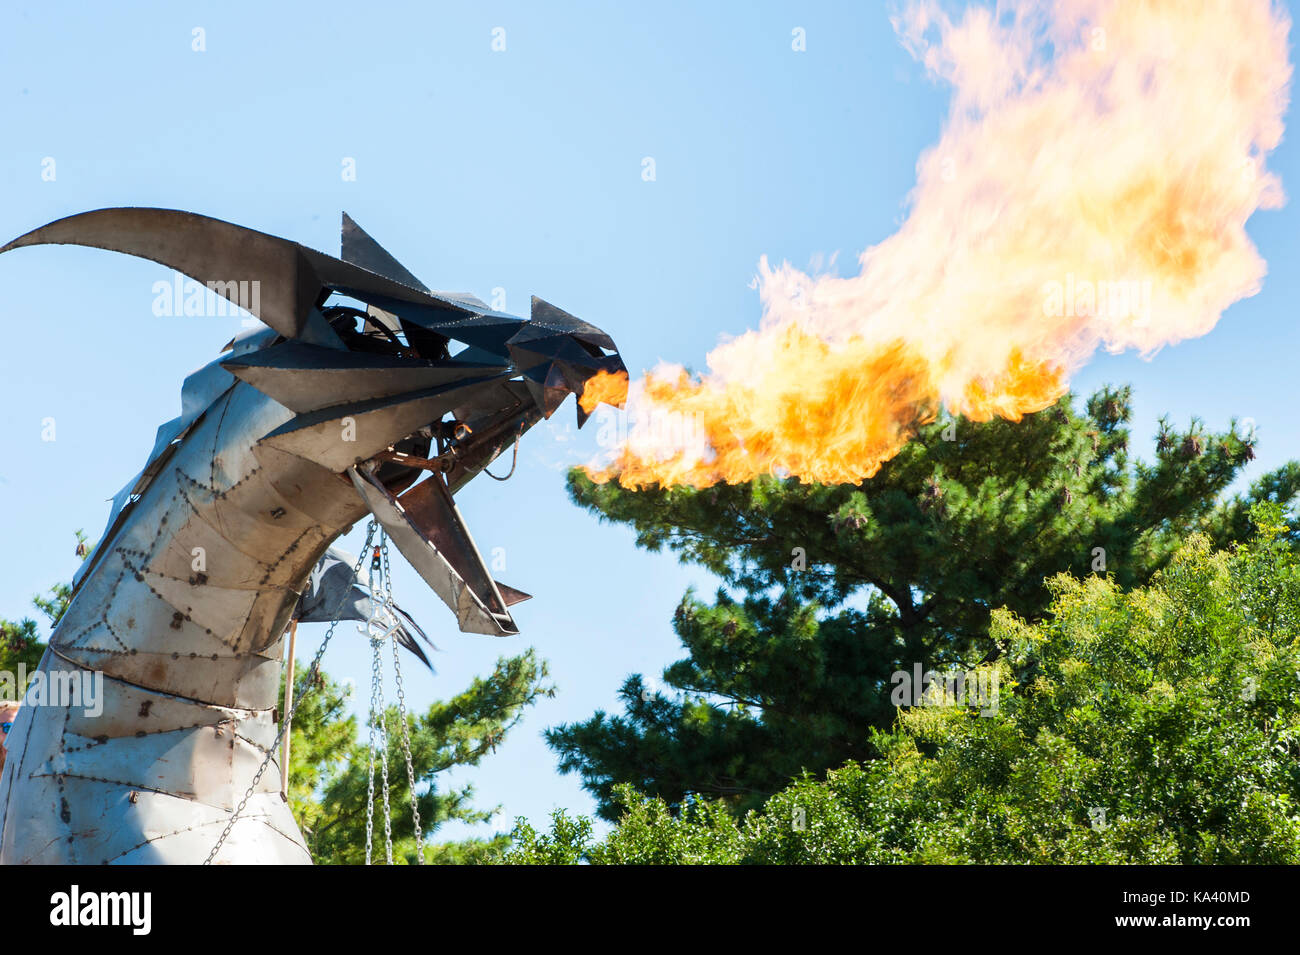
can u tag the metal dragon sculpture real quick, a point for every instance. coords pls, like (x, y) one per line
(331, 413)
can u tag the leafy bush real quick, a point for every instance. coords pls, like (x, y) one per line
(1155, 725)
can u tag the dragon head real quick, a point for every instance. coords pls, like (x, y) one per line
(381, 379)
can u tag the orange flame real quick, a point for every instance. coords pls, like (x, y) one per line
(802, 415)
(1090, 189)
(1021, 388)
(604, 387)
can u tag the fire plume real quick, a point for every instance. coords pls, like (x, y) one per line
(606, 387)
(1090, 190)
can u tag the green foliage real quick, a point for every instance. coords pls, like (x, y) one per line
(20, 641)
(647, 834)
(1155, 725)
(20, 652)
(831, 589)
(567, 843)
(330, 765)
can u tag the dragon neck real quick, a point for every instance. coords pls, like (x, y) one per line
(192, 592)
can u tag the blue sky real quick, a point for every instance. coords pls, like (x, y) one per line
(520, 170)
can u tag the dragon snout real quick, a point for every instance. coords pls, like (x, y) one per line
(559, 355)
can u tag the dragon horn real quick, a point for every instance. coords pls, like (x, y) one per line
(292, 279)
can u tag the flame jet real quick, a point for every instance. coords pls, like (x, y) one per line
(1090, 191)
(366, 394)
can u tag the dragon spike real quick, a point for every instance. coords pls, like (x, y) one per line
(339, 436)
(359, 248)
(291, 278)
(306, 377)
(557, 319)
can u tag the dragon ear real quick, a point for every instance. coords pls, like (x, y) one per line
(291, 279)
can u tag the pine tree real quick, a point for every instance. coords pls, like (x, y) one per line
(831, 590)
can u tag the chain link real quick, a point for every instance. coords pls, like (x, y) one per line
(370, 749)
(401, 711)
(378, 740)
(286, 722)
(378, 722)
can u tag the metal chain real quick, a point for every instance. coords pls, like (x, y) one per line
(370, 729)
(378, 728)
(287, 721)
(401, 711)
(378, 715)
(388, 811)
(370, 753)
